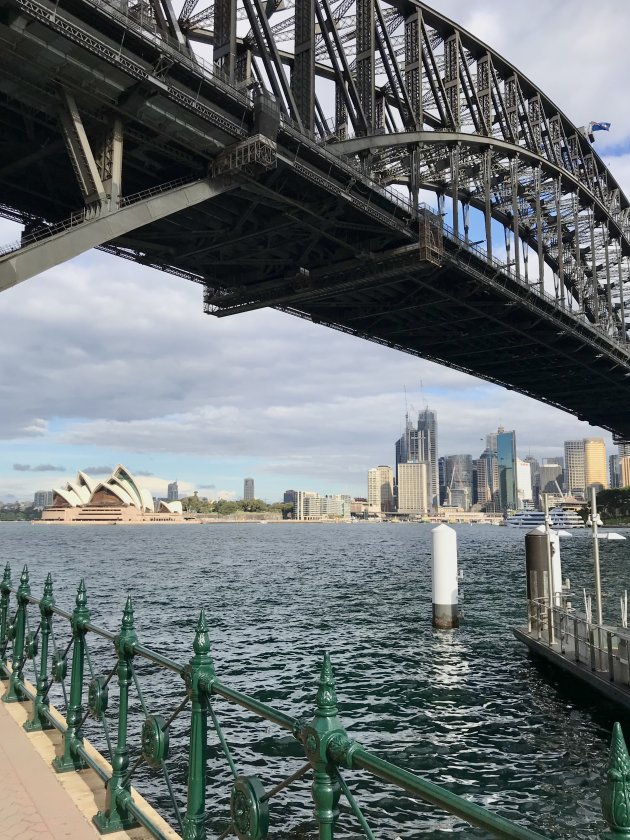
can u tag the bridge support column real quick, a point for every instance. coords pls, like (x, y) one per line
(455, 187)
(80, 153)
(539, 232)
(487, 188)
(110, 163)
(515, 214)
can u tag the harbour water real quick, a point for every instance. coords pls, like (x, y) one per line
(466, 709)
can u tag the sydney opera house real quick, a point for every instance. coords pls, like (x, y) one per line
(117, 500)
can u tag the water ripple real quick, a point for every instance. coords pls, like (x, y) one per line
(465, 709)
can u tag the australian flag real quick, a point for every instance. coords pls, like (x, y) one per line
(600, 126)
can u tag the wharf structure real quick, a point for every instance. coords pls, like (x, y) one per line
(575, 643)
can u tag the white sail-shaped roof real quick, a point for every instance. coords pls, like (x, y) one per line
(170, 507)
(68, 495)
(126, 480)
(87, 480)
(80, 490)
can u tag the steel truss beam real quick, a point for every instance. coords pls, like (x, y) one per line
(90, 230)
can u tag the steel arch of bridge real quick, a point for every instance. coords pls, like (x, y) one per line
(130, 139)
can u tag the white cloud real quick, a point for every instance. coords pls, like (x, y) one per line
(107, 355)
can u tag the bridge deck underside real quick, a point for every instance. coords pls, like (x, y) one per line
(439, 314)
(458, 315)
(311, 237)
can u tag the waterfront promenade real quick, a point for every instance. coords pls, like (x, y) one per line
(39, 804)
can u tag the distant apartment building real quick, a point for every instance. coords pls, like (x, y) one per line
(413, 497)
(43, 499)
(574, 477)
(380, 490)
(585, 466)
(624, 470)
(172, 492)
(595, 465)
(248, 489)
(310, 506)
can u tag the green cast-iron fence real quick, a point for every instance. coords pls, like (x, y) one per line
(328, 752)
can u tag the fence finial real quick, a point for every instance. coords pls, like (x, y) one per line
(326, 695)
(201, 645)
(616, 791)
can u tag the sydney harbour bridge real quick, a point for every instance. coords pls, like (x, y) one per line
(279, 152)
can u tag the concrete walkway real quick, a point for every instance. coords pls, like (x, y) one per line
(33, 804)
(38, 804)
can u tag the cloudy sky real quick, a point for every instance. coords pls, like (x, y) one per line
(107, 362)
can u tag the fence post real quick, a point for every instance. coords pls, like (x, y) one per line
(318, 736)
(616, 791)
(71, 760)
(116, 816)
(40, 704)
(14, 693)
(201, 675)
(5, 595)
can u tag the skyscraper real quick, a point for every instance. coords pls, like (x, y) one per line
(488, 495)
(428, 451)
(506, 457)
(614, 471)
(380, 490)
(535, 478)
(551, 478)
(595, 467)
(248, 489)
(524, 492)
(459, 489)
(419, 445)
(172, 492)
(574, 478)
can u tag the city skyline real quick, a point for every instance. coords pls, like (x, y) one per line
(113, 362)
(170, 489)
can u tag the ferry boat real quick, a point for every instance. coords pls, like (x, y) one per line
(560, 518)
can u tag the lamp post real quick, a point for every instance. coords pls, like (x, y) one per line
(549, 569)
(594, 521)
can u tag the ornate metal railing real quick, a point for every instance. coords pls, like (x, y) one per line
(327, 748)
(602, 648)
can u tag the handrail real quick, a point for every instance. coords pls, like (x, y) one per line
(324, 740)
